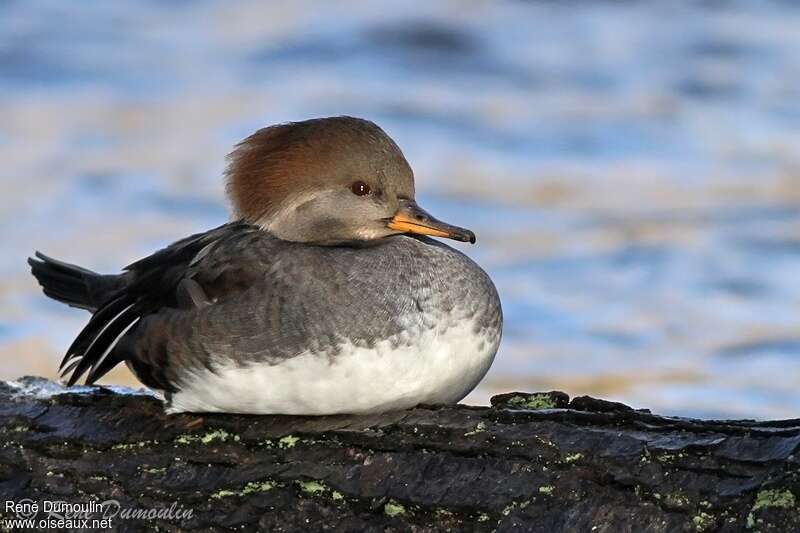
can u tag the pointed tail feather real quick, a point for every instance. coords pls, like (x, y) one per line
(71, 284)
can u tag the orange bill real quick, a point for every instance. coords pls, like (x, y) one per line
(411, 218)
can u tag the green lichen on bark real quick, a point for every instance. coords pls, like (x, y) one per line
(533, 401)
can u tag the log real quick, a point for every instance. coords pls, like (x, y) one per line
(530, 462)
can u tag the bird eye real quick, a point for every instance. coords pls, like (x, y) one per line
(360, 188)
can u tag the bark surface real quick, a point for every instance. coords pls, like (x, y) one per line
(531, 462)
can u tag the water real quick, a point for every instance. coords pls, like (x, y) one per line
(630, 168)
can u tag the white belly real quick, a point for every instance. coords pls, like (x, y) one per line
(436, 367)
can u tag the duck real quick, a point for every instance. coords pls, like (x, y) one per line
(327, 292)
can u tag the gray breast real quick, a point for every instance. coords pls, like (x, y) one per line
(317, 299)
(313, 298)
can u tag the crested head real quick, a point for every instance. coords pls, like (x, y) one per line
(322, 181)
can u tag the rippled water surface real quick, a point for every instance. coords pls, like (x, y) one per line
(632, 169)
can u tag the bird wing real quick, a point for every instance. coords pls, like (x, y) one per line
(186, 274)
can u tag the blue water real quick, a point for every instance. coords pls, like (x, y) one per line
(631, 169)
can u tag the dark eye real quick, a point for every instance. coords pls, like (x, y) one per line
(360, 188)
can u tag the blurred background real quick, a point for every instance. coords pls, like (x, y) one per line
(631, 169)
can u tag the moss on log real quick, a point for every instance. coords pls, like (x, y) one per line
(531, 462)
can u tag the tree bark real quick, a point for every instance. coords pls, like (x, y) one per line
(531, 462)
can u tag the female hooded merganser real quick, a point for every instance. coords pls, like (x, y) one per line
(324, 296)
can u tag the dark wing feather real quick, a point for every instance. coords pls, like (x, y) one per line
(95, 326)
(156, 282)
(104, 342)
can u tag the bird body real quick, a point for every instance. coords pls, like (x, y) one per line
(249, 318)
